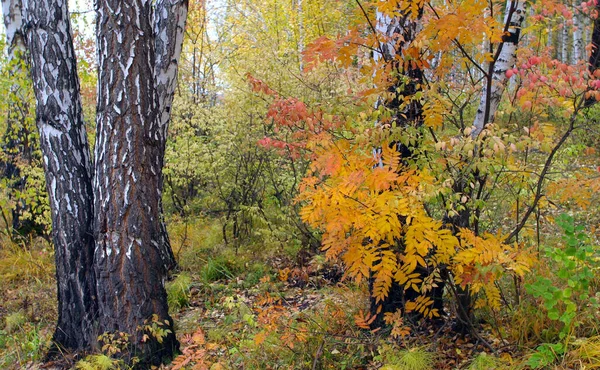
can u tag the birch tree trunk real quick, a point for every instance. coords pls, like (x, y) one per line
(112, 250)
(564, 45)
(13, 24)
(578, 44)
(300, 10)
(67, 167)
(505, 59)
(169, 26)
(395, 35)
(16, 143)
(130, 236)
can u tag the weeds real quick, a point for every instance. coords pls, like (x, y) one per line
(178, 291)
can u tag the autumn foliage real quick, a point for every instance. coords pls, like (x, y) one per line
(393, 219)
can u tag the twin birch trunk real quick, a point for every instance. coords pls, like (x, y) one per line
(112, 250)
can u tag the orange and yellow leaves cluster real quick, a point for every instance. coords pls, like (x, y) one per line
(325, 49)
(582, 189)
(422, 304)
(464, 22)
(372, 217)
(392, 8)
(396, 321)
(482, 260)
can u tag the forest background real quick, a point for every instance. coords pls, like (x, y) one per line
(334, 199)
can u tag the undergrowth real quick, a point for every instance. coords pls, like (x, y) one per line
(247, 311)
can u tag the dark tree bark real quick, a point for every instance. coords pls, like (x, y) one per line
(67, 167)
(130, 262)
(395, 35)
(594, 61)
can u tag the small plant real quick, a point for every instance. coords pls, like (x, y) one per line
(178, 291)
(154, 328)
(416, 358)
(568, 293)
(14, 321)
(100, 362)
(483, 361)
(114, 343)
(217, 269)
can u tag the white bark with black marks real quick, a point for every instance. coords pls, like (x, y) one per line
(12, 11)
(67, 167)
(564, 44)
(169, 26)
(515, 14)
(578, 45)
(109, 238)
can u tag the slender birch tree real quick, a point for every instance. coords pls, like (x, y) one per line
(504, 59)
(12, 11)
(17, 143)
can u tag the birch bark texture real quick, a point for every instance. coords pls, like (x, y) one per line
(112, 248)
(505, 59)
(578, 34)
(12, 12)
(169, 27)
(16, 143)
(67, 166)
(129, 151)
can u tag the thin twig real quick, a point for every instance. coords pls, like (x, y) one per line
(540, 183)
(318, 355)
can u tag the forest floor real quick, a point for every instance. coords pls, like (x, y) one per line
(252, 309)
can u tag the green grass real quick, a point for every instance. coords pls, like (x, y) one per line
(216, 269)
(178, 291)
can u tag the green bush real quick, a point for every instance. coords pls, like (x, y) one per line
(567, 294)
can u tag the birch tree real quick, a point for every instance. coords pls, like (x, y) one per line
(67, 167)
(17, 143)
(504, 59)
(127, 184)
(395, 33)
(578, 34)
(112, 250)
(13, 24)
